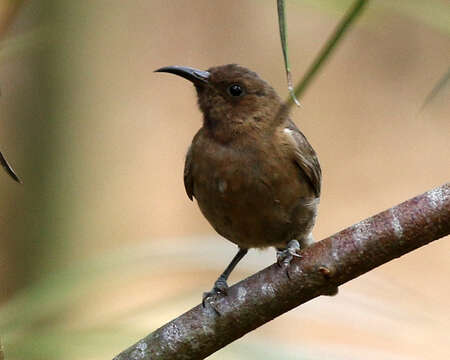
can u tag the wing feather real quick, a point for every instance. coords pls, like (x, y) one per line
(305, 156)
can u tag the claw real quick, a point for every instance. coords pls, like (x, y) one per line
(284, 257)
(213, 293)
(220, 288)
(208, 300)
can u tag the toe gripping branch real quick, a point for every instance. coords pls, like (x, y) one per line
(285, 256)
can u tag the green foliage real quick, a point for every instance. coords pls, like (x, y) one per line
(329, 46)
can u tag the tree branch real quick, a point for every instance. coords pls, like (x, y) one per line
(323, 266)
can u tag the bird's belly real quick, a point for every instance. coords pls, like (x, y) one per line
(250, 202)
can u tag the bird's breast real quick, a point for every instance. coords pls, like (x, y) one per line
(248, 194)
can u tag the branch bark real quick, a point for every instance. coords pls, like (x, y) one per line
(323, 266)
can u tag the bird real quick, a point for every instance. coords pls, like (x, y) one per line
(255, 176)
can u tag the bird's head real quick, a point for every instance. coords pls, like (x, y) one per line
(234, 100)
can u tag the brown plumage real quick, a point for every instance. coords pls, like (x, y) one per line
(253, 173)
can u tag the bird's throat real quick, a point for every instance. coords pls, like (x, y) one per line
(221, 130)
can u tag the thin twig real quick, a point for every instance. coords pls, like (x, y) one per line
(284, 46)
(323, 266)
(327, 49)
(6, 18)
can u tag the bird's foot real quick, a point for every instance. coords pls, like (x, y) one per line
(220, 288)
(285, 256)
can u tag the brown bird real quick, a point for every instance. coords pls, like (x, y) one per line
(253, 173)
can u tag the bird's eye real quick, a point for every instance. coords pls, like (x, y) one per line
(235, 90)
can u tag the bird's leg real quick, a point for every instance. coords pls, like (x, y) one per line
(285, 256)
(221, 286)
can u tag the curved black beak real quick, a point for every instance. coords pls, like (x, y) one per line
(198, 77)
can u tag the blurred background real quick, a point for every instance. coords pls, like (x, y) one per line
(101, 245)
